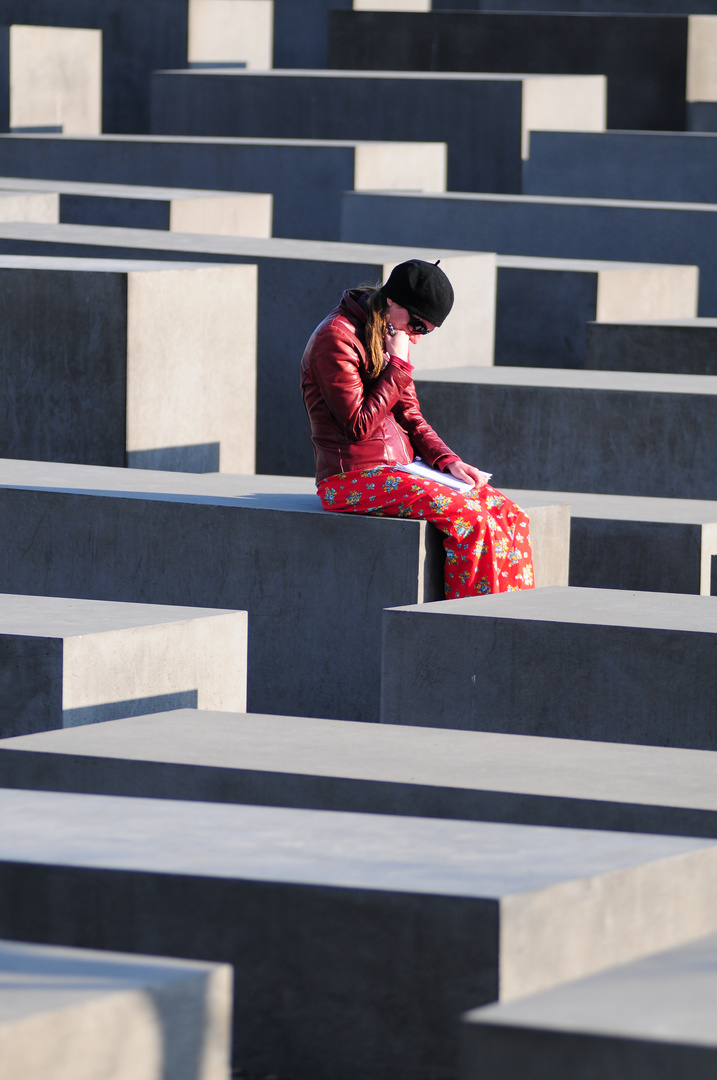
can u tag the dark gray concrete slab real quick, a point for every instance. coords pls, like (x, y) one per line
(646, 7)
(653, 1019)
(544, 226)
(112, 1015)
(66, 662)
(380, 927)
(543, 305)
(209, 540)
(301, 32)
(633, 542)
(89, 348)
(621, 433)
(374, 768)
(676, 167)
(687, 346)
(600, 664)
(482, 118)
(309, 276)
(644, 58)
(286, 168)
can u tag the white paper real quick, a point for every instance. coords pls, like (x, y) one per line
(419, 468)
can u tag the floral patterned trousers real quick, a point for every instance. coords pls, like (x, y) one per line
(486, 536)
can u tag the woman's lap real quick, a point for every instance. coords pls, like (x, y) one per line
(486, 536)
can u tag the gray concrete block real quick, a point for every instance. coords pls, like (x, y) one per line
(685, 346)
(620, 433)
(116, 362)
(305, 176)
(240, 542)
(55, 79)
(632, 542)
(483, 119)
(647, 7)
(544, 226)
(644, 58)
(381, 928)
(652, 1019)
(66, 662)
(87, 1014)
(340, 765)
(543, 305)
(221, 33)
(17, 205)
(310, 277)
(570, 663)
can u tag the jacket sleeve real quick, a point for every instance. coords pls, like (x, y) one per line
(357, 408)
(424, 439)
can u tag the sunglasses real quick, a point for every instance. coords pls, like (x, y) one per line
(417, 326)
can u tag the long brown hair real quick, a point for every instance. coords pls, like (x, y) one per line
(376, 326)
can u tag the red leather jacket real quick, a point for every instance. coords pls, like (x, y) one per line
(358, 422)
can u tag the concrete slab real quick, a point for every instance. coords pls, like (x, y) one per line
(87, 1013)
(286, 168)
(310, 276)
(247, 542)
(483, 119)
(340, 765)
(620, 433)
(115, 362)
(65, 662)
(647, 7)
(648, 1020)
(632, 542)
(224, 31)
(644, 58)
(570, 663)
(54, 77)
(544, 226)
(321, 913)
(685, 346)
(18, 205)
(543, 305)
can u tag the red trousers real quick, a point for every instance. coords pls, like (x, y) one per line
(486, 536)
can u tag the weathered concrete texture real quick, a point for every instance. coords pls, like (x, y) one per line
(320, 913)
(570, 663)
(114, 362)
(620, 433)
(55, 77)
(629, 542)
(85, 1014)
(310, 277)
(222, 31)
(652, 1019)
(286, 168)
(644, 59)
(484, 120)
(666, 166)
(374, 768)
(67, 662)
(542, 305)
(261, 544)
(685, 346)
(545, 226)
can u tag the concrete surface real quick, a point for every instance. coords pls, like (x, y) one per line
(55, 77)
(644, 59)
(247, 542)
(543, 305)
(637, 543)
(620, 433)
(222, 31)
(286, 168)
(600, 664)
(484, 120)
(380, 928)
(315, 764)
(652, 1019)
(545, 226)
(66, 662)
(647, 7)
(682, 346)
(310, 277)
(18, 205)
(84, 1014)
(114, 362)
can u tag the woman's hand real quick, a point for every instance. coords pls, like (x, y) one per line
(397, 344)
(468, 474)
